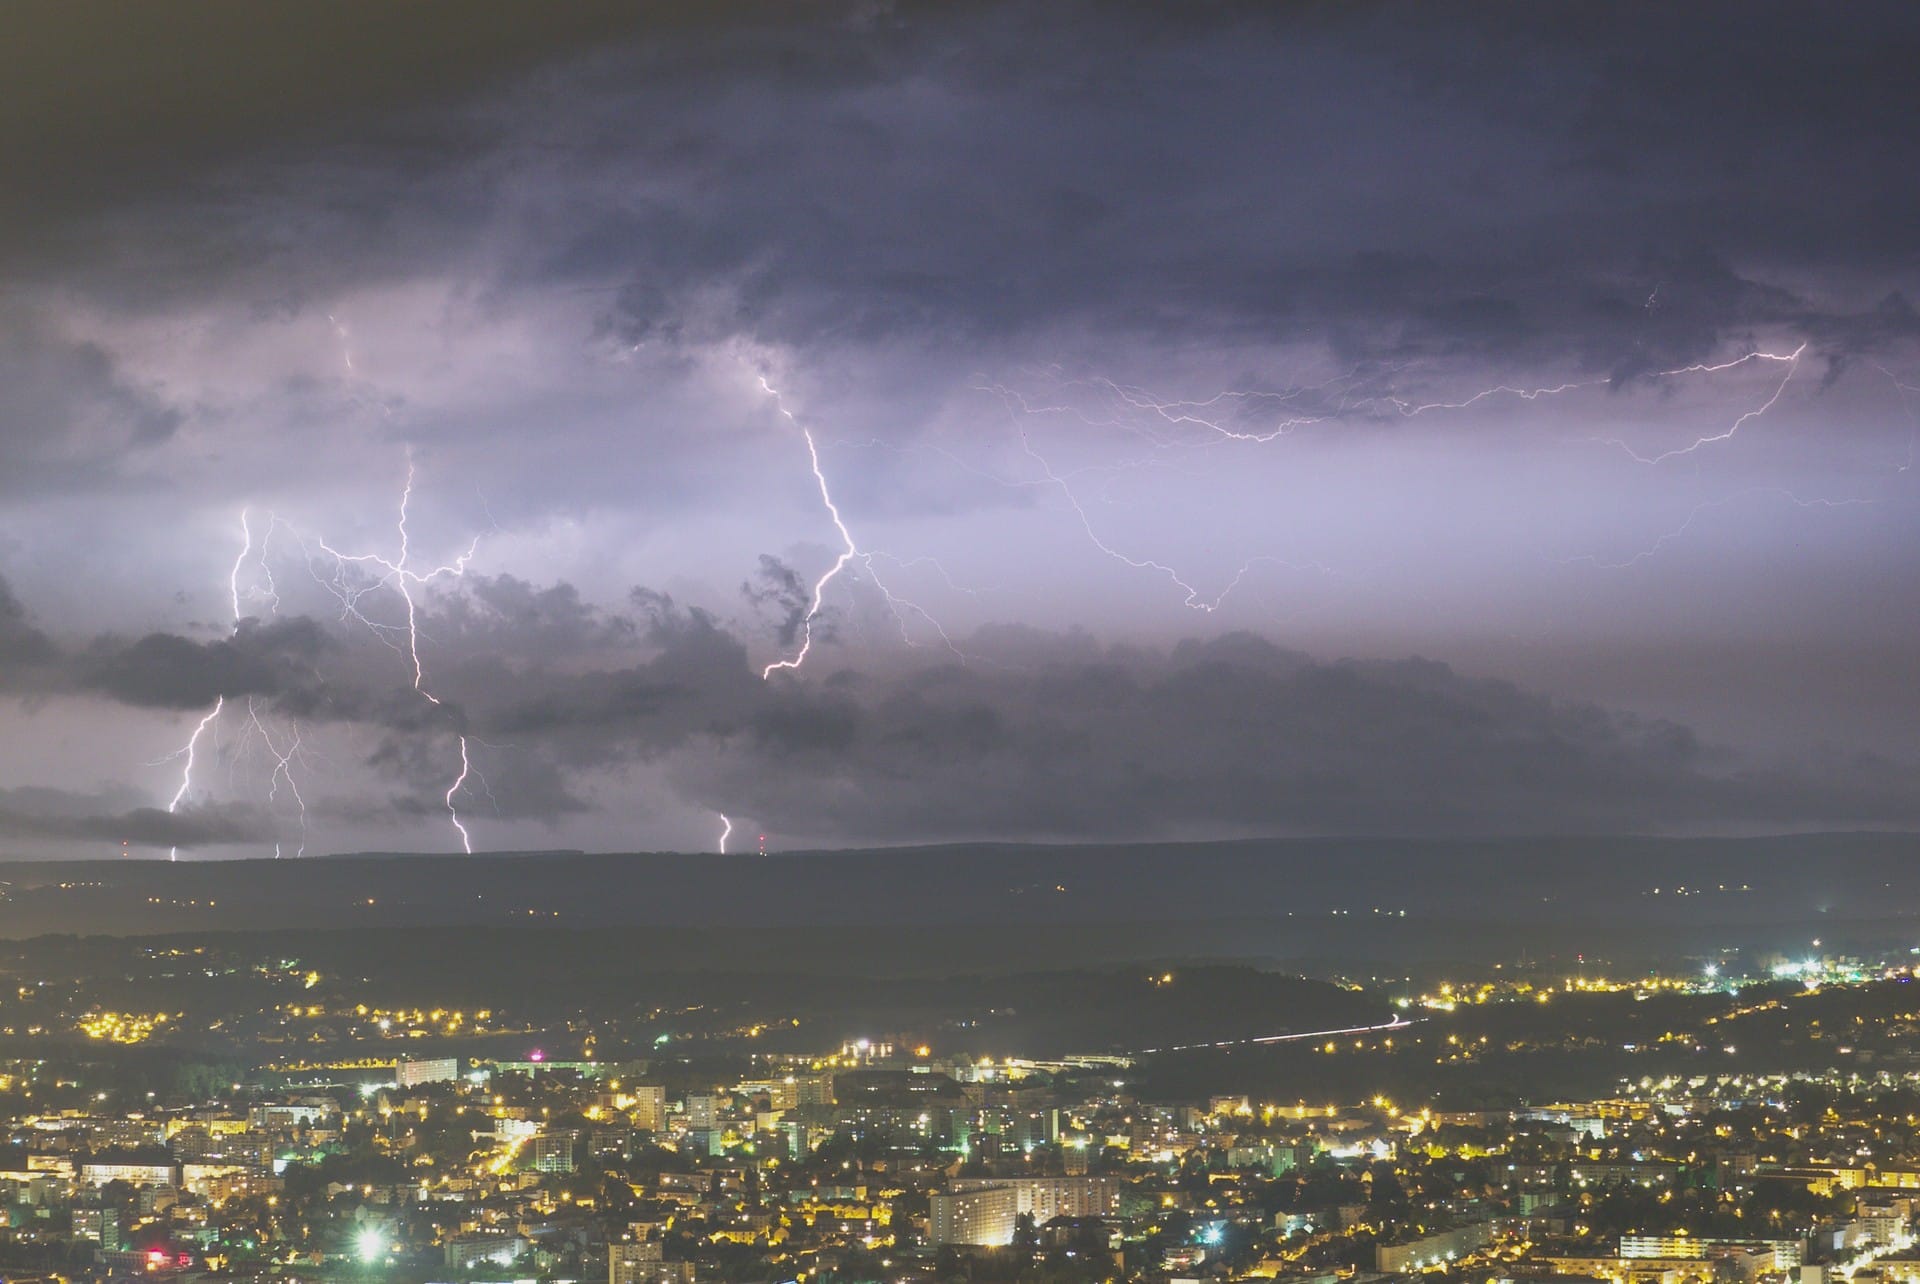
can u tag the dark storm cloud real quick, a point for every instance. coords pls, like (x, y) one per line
(108, 103)
(1070, 738)
(1044, 736)
(692, 683)
(21, 644)
(885, 200)
(114, 816)
(779, 586)
(70, 416)
(1395, 181)
(1252, 172)
(166, 671)
(509, 613)
(1235, 735)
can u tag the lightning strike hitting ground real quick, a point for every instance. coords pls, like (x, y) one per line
(282, 771)
(453, 812)
(188, 751)
(186, 772)
(726, 830)
(395, 573)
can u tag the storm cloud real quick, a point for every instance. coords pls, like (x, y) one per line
(1160, 378)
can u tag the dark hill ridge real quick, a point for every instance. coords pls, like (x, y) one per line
(545, 982)
(1307, 895)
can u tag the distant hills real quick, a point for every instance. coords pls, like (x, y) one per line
(1325, 900)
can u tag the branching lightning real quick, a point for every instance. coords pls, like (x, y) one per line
(354, 576)
(282, 771)
(1792, 362)
(401, 578)
(1195, 598)
(1222, 420)
(850, 552)
(395, 573)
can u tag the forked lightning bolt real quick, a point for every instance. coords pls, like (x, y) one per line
(1790, 359)
(1195, 599)
(396, 573)
(400, 577)
(850, 552)
(282, 771)
(1220, 419)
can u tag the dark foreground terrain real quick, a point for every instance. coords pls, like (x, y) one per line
(1319, 905)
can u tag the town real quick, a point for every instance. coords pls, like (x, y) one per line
(356, 1146)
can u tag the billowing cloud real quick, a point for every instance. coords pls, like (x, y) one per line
(1127, 336)
(165, 670)
(32, 817)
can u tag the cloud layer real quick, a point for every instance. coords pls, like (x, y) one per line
(1229, 335)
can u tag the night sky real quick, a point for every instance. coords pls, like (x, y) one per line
(1389, 419)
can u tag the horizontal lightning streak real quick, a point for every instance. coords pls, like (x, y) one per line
(1706, 506)
(1792, 360)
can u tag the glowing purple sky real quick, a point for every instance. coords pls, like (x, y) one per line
(1142, 349)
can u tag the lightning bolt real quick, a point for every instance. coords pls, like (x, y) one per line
(262, 561)
(1222, 419)
(1195, 598)
(726, 830)
(283, 762)
(345, 336)
(396, 573)
(1905, 391)
(453, 812)
(1706, 506)
(402, 579)
(1410, 410)
(186, 772)
(282, 771)
(233, 579)
(190, 750)
(1792, 362)
(850, 552)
